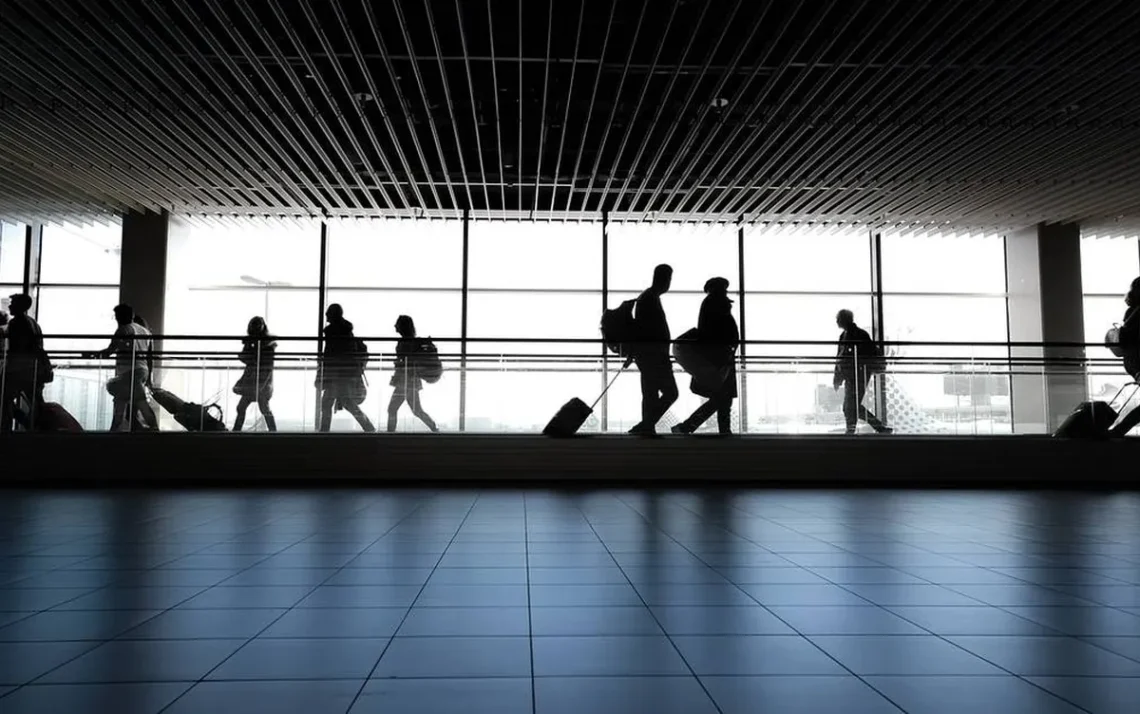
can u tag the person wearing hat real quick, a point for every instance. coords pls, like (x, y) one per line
(26, 367)
(718, 334)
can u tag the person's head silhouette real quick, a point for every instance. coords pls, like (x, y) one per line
(124, 314)
(405, 327)
(257, 327)
(19, 304)
(844, 319)
(662, 278)
(334, 312)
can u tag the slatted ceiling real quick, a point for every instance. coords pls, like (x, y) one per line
(922, 113)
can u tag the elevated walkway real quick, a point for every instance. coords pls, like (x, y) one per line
(287, 460)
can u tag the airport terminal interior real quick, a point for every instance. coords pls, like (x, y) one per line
(297, 294)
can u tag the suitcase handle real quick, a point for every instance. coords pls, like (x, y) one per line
(615, 379)
(1135, 386)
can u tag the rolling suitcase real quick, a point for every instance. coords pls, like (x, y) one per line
(1092, 420)
(53, 417)
(574, 413)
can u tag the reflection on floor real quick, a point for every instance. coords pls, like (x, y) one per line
(622, 602)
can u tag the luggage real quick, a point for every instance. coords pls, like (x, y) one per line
(53, 417)
(1092, 420)
(693, 357)
(619, 328)
(574, 413)
(1112, 341)
(192, 417)
(428, 365)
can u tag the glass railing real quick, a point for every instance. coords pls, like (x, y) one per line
(515, 386)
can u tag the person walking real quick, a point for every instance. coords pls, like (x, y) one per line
(406, 381)
(718, 337)
(258, 353)
(855, 364)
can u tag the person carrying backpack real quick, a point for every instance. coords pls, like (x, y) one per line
(651, 353)
(406, 378)
(340, 372)
(857, 360)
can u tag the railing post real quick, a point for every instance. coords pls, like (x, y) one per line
(605, 410)
(878, 324)
(743, 400)
(463, 327)
(322, 299)
(33, 253)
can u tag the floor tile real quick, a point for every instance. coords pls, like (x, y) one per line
(962, 575)
(145, 661)
(265, 658)
(363, 596)
(804, 595)
(1082, 621)
(118, 598)
(567, 621)
(21, 662)
(606, 656)
(1126, 646)
(214, 624)
(953, 695)
(269, 577)
(473, 596)
(692, 620)
(621, 695)
(456, 657)
(1020, 596)
(980, 620)
(866, 576)
(703, 594)
(755, 655)
(445, 696)
(477, 576)
(279, 697)
(1047, 656)
(36, 599)
(253, 597)
(62, 626)
(466, 622)
(611, 575)
(337, 623)
(915, 595)
(1097, 695)
(138, 698)
(748, 695)
(616, 595)
(867, 655)
(845, 621)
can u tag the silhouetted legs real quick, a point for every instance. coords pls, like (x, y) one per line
(412, 397)
(328, 401)
(262, 404)
(721, 405)
(853, 409)
(658, 391)
(130, 406)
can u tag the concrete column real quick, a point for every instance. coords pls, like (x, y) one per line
(1046, 304)
(142, 282)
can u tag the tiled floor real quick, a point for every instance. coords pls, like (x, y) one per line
(611, 602)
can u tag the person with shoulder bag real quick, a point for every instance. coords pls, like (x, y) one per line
(27, 367)
(258, 354)
(340, 375)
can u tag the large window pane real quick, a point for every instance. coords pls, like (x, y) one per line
(81, 253)
(791, 259)
(535, 255)
(1105, 371)
(12, 243)
(961, 388)
(943, 263)
(1109, 264)
(396, 254)
(222, 274)
(379, 270)
(76, 311)
(697, 252)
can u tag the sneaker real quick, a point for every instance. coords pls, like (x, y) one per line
(680, 429)
(640, 430)
(885, 430)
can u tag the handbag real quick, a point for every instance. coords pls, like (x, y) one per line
(1112, 340)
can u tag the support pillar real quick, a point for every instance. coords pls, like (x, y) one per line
(33, 255)
(142, 281)
(1046, 304)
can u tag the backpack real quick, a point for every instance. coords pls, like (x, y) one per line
(360, 355)
(619, 329)
(428, 365)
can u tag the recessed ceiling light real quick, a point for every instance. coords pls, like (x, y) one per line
(719, 103)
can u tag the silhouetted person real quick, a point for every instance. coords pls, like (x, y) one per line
(853, 368)
(1130, 344)
(132, 350)
(718, 336)
(26, 365)
(658, 386)
(406, 381)
(258, 351)
(341, 375)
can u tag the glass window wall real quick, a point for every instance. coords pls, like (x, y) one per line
(946, 288)
(1109, 264)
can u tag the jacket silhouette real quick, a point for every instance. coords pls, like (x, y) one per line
(719, 337)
